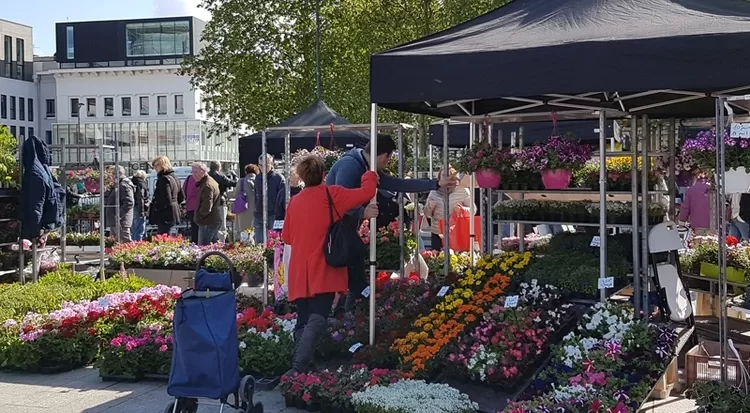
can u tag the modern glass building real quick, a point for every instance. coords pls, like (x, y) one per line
(183, 142)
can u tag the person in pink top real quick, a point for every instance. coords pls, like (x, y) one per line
(190, 189)
(696, 207)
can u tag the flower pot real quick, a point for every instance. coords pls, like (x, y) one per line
(300, 404)
(289, 401)
(737, 180)
(313, 407)
(556, 178)
(488, 178)
(92, 186)
(709, 270)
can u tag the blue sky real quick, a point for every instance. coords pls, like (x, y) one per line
(43, 14)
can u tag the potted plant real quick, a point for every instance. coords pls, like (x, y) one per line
(486, 163)
(702, 149)
(556, 159)
(9, 176)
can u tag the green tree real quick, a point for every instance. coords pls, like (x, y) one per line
(257, 66)
(8, 158)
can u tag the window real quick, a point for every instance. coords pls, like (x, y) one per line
(91, 107)
(8, 48)
(12, 108)
(21, 108)
(22, 132)
(126, 106)
(144, 105)
(3, 107)
(31, 132)
(19, 59)
(179, 107)
(109, 106)
(158, 39)
(13, 131)
(48, 136)
(161, 105)
(31, 110)
(70, 42)
(51, 109)
(74, 107)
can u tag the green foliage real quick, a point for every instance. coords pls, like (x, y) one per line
(718, 397)
(8, 159)
(57, 287)
(257, 66)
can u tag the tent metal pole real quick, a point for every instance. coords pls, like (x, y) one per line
(499, 226)
(264, 172)
(415, 200)
(401, 238)
(102, 171)
(672, 183)
(637, 275)
(288, 166)
(603, 233)
(64, 184)
(488, 227)
(722, 233)
(482, 213)
(472, 234)
(646, 142)
(431, 166)
(373, 221)
(446, 203)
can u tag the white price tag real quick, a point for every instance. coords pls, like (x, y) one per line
(607, 282)
(355, 347)
(443, 291)
(739, 130)
(244, 237)
(511, 301)
(366, 292)
(596, 241)
(278, 225)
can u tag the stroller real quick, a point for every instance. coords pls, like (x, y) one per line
(205, 359)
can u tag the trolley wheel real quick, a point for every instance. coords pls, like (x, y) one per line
(257, 408)
(183, 406)
(247, 389)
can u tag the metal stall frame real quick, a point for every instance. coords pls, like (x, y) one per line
(373, 127)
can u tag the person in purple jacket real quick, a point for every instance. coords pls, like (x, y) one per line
(348, 172)
(190, 188)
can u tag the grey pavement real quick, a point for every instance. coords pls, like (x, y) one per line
(82, 391)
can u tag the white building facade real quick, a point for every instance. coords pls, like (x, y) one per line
(18, 100)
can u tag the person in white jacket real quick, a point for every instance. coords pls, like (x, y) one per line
(434, 208)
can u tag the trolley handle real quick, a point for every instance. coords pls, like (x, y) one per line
(236, 278)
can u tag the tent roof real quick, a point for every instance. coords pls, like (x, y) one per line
(536, 49)
(458, 132)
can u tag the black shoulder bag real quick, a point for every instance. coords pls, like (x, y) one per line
(340, 243)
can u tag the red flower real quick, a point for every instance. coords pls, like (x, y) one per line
(732, 241)
(596, 405)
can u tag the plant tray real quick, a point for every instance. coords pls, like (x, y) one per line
(702, 363)
(121, 378)
(156, 377)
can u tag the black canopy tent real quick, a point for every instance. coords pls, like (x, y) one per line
(458, 132)
(318, 114)
(659, 57)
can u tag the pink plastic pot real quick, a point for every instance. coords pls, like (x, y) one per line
(556, 178)
(488, 178)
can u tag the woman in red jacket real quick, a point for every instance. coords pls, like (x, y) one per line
(312, 282)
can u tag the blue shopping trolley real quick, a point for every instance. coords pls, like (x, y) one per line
(205, 358)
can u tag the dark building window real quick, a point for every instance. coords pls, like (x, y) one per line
(144, 105)
(21, 132)
(74, 107)
(19, 59)
(161, 105)
(31, 110)
(13, 131)
(158, 39)
(48, 136)
(3, 107)
(70, 42)
(50, 109)
(8, 48)
(31, 132)
(21, 108)
(126, 106)
(12, 108)
(109, 106)
(91, 107)
(179, 106)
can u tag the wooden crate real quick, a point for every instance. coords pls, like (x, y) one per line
(667, 382)
(702, 363)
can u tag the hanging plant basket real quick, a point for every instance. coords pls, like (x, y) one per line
(488, 178)
(556, 178)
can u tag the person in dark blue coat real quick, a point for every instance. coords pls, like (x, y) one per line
(42, 198)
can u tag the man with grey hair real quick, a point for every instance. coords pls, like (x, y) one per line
(208, 209)
(119, 197)
(224, 183)
(276, 185)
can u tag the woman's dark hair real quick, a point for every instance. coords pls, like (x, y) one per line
(252, 168)
(311, 170)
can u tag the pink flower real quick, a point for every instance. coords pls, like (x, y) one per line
(163, 348)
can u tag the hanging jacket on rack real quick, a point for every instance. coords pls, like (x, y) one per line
(42, 198)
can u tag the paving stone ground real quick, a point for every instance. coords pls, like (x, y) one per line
(82, 391)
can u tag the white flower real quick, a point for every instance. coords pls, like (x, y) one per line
(243, 345)
(413, 396)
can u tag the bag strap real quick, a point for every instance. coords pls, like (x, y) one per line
(331, 207)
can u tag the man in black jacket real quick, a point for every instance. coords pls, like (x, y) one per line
(225, 183)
